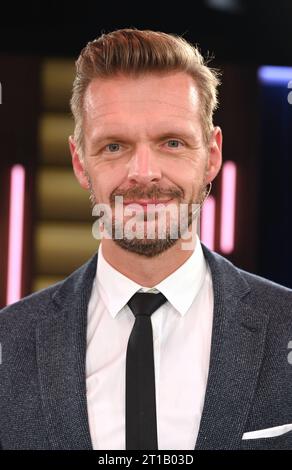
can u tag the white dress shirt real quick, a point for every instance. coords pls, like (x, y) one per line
(182, 330)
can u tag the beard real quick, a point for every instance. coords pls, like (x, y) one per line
(145, 246)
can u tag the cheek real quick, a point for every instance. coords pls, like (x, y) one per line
(186, 166)
(183, 176)
(191, 180)
(103, 184)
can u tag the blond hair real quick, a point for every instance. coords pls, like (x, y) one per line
(134, 52)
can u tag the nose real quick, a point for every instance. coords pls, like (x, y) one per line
(143, 168)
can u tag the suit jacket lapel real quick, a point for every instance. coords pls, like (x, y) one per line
(61, 356)
(237, 348)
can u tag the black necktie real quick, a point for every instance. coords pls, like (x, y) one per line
(141, 423)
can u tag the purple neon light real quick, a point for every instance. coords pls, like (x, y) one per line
(15, 240)
(208, 222)
(228, 207)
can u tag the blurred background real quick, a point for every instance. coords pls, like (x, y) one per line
(246, 218)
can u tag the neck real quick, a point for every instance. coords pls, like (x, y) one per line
(144, 270)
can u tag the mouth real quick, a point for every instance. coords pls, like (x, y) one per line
(144, 202)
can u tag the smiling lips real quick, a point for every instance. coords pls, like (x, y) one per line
(144, 202)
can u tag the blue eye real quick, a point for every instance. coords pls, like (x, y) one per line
(174, 143)
(113, 147)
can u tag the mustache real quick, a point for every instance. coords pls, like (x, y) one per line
(150, 193)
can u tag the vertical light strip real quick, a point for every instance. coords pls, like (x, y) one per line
(15, 237)
(208, 223)
(228, 201)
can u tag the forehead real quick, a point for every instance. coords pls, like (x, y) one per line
(148, 97)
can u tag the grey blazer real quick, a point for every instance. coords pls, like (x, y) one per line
(248, 402)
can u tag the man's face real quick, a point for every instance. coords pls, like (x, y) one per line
(143, 140)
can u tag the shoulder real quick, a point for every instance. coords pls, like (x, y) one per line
(268, 296)
(264, 295)
(266, 287)
(29, 309)
(43, 304)
(272, 298)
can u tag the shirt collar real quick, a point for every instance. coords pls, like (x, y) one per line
(180, 287)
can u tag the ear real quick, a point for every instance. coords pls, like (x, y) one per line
(215, 154)
(78, 164)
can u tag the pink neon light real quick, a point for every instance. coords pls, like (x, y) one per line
(208, 222)
(15, 240)
(228, 207)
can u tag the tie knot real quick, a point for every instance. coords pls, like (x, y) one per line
(144, 303)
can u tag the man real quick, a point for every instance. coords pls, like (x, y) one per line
(156, 342)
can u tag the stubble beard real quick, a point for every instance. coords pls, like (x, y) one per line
(151, 247)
